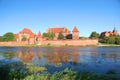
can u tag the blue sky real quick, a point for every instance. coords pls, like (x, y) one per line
(38, 15)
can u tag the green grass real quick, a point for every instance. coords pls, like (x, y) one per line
(103, 44)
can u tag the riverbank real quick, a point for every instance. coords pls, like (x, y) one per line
(101, 44)
(66, 45)
(48, 45)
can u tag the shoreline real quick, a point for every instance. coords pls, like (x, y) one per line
(51, 45)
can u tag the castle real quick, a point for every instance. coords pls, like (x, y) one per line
(66, 32)
(33, 38)
(29, 35)
(108, 33)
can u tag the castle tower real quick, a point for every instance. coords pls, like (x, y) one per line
(39, 36)
(115, 32)
(75, 33)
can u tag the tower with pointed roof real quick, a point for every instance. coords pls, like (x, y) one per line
(115, 32)
(75, 33)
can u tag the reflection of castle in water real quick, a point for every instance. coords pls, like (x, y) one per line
(58, 57)
(54, 57)
(25, 57)
(62, 57)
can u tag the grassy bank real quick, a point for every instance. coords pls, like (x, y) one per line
(20, 71)
(101, 44)
(48, 45)
(52, 45)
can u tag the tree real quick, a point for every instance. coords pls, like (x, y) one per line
(9, 36)
(1, 38)
(50, 35)
(24, 38)
(60, 36)
(112, 39)
(94, 35)
(117, 40)
(44, 34)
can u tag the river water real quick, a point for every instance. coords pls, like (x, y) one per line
(95, 59)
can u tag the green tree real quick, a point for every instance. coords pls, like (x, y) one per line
(24, 38)
(1, 38)
(9, 36)
(50, 35)
(111, 40)
(60, 36)
(94, 35)
(117, 40)
(45, 35)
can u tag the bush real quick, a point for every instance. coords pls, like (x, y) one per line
(13, 71)
(20, 72)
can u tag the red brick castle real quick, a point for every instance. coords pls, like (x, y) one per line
(33, 38)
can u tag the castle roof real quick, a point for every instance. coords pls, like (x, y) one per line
(58, 30)
(75, 29)
(28, 31)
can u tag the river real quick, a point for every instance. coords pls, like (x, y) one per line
(95, 59)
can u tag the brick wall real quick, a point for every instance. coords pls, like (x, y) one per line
(13, 43)
(71, 42)
(56, 42)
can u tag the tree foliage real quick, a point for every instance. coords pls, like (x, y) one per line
(112, 39)
(9, 36)
(94, 35)
(44, 34)
(117, 40)
(49, 35)
(24, 38)
(60, 36)
(1, 38)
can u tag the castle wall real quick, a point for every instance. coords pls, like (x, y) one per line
(55, 42)
(71, 42)
(12, 43)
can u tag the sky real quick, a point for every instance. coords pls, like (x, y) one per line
(38, 15)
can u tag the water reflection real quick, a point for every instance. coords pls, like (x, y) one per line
(98, 59)
(25, 57)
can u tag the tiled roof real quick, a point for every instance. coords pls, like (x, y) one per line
(28, 31)
(75, 29)
(56, 30)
